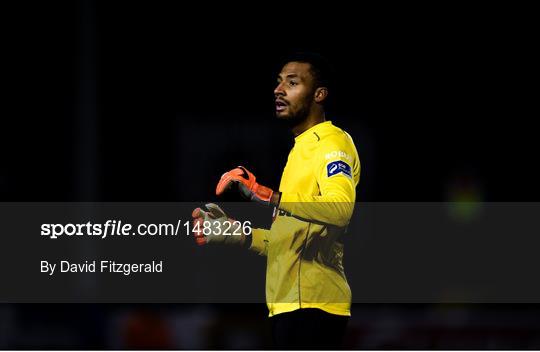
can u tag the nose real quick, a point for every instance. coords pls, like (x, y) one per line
(278, 91)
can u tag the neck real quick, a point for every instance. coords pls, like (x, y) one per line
(310, 121)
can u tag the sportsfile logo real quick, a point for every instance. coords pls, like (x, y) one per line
(337, 167)
(112, 228)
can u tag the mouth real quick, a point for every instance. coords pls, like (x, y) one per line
(280, 105)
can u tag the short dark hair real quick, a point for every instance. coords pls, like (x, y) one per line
(321, 68)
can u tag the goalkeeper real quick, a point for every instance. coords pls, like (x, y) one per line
(307, 293)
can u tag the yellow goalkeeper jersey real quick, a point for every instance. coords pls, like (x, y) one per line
(303, 246)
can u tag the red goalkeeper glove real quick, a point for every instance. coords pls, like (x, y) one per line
(247, 185)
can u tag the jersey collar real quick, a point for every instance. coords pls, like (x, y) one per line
(312, 131)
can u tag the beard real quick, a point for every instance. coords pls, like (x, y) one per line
(295, 118)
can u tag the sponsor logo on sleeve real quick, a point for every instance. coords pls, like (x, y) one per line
(337, 167)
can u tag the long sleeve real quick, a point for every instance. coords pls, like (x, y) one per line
(259, 241)
(337, 169)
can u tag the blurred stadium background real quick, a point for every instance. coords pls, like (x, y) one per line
(138, 101)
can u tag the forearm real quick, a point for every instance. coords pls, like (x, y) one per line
(258, 241)
(333, 208)
(276, 197)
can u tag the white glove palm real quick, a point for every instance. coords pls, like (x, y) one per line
(214, 226)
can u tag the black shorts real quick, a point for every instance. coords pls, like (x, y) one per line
(308, 328)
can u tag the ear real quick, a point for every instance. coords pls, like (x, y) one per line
(320, 94)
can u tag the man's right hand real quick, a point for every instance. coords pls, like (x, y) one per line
(248, 186)
(219, 228)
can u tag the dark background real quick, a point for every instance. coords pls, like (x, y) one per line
(124, 101)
